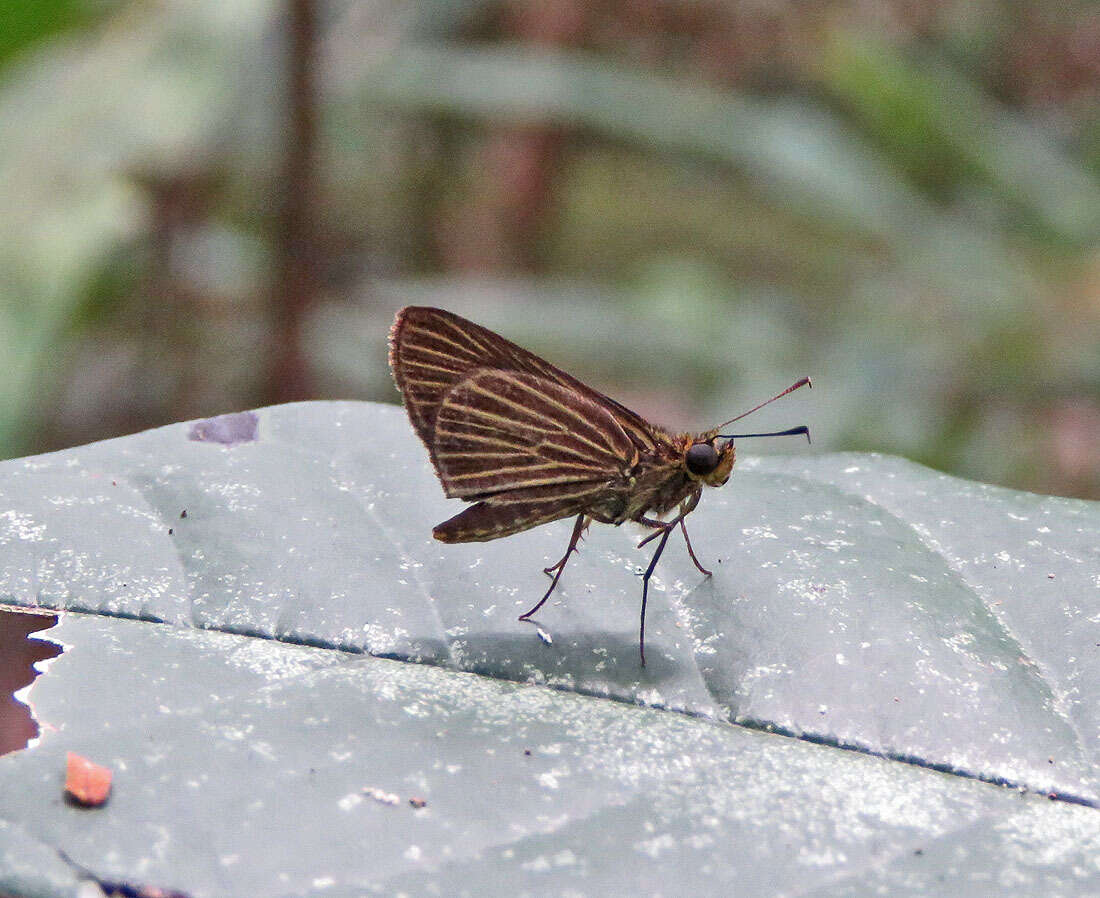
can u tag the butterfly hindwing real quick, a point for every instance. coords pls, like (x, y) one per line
(482, 521)
(432, 351)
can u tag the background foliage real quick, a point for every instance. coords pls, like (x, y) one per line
(209, 206)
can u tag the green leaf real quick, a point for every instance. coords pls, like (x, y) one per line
(858, 602)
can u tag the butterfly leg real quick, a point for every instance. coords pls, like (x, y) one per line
(662, 526)
(691, 551)
(664, 534)
(659, 528)
(578, 529)
(581, 526)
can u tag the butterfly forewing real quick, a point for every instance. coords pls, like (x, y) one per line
(432, 350)
(499, 431)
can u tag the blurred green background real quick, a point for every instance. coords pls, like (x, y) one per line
(210, 205)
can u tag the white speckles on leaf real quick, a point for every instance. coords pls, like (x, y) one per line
(21, 526)
(656, 846)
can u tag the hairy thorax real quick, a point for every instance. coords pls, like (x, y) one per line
(656, 483)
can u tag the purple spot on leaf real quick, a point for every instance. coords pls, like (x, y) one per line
(239, 427)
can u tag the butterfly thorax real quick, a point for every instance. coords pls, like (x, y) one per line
(659, 481)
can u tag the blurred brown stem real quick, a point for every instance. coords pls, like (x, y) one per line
(499, 224)
(295, 270)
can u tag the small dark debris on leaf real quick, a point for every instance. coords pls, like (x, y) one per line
(118, 889)
(918, 851)
(170, 531)
(183, 514)
(86, 784)
(127, 890)
(418, 803)
(527, 752)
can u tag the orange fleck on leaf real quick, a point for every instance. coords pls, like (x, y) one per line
(86, 783)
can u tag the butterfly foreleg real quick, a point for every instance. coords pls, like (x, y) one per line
(578, 529)
(663, 528)
(691, 551)
(659, 527)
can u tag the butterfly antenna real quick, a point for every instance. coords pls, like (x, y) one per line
(804, 382)
(794, 431)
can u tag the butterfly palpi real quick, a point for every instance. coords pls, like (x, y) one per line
(527, 443)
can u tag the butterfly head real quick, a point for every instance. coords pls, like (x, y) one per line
(708, 461)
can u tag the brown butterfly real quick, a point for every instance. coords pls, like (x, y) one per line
(528, 444)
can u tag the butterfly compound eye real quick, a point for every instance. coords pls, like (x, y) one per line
(701, 459)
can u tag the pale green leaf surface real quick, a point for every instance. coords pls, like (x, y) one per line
(857, 601)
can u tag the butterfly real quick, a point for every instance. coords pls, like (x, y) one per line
(528, 444)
